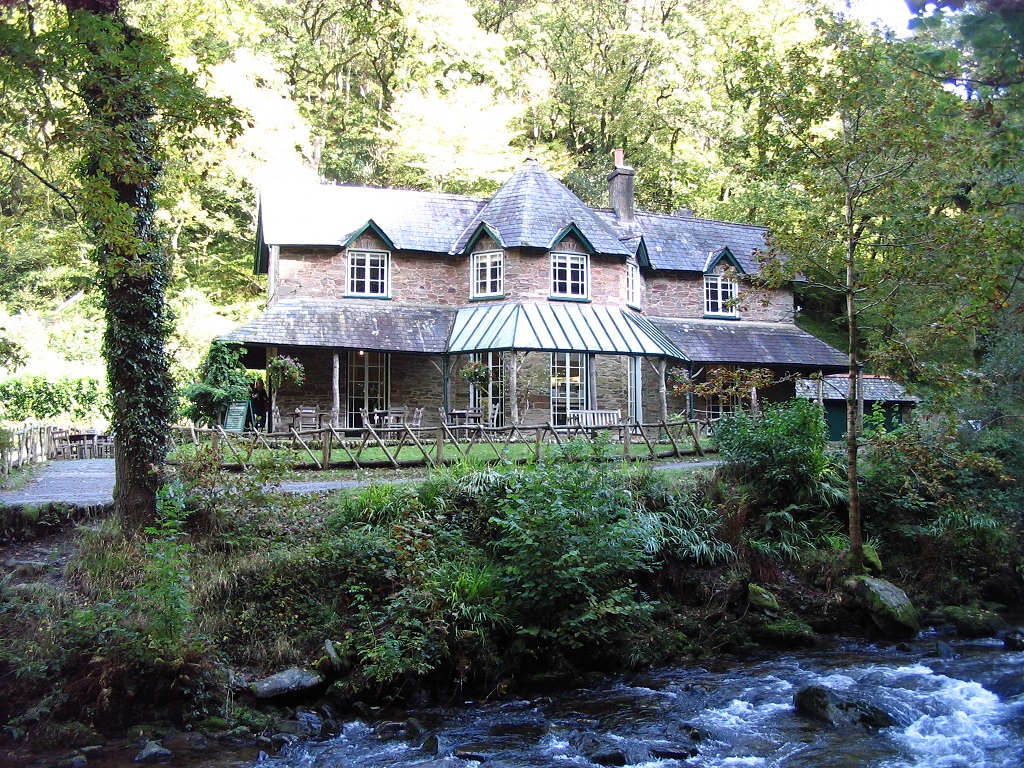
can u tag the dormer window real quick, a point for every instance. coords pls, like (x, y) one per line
(570, 275)
(634, 295)
(487, 274)
(720, 294)
(369, 273)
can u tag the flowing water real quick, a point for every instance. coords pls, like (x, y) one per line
(965, 709)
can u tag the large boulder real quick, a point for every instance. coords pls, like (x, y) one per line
(291, 683)
(974, 622)
(886, 604)
(826, 706)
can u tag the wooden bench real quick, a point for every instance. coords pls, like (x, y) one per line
(594, 419)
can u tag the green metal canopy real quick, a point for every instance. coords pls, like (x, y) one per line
(558, 327)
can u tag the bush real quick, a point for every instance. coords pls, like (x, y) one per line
(67, 399)
(569, 537)
(783, 456)
(222, 380)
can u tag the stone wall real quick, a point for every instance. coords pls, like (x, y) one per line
(682, 295)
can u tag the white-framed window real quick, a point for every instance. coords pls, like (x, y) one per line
(634, 295)
(369, 273)
(720, 294)
(570, 275)
(487, 274)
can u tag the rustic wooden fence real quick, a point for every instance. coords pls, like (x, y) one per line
(399, 445)
(25, 445)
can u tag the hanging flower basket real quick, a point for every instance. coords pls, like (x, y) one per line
(285, 370)
(477, 373)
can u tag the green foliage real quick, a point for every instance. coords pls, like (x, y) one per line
(691, 530)
(65, 399)
(783, 455)
(222, 380)
(569, 537)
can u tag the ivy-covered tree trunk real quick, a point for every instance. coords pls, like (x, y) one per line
(120, 178)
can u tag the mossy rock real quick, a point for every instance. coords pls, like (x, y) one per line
(872, 562)
(788, 632)
(886, 604)
(974, 622)
(761, 599)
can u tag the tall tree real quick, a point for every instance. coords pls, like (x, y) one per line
(871, 154)
(110, 97)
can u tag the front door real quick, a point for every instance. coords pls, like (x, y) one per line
(367, 384)
(490, 397)
(568, 385)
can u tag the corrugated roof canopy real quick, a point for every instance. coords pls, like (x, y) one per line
(558, 327)
(747, 343)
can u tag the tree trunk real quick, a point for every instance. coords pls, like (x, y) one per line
(132, 266)
(852, 435)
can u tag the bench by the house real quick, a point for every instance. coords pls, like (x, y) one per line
(595, 419)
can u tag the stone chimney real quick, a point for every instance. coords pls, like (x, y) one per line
(620, 188)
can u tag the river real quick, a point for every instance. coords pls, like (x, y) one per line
(961, 709)
(964, 709)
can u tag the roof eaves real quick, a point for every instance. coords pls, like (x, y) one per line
(371, 226)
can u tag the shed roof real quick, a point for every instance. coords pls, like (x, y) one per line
(876, 388)
(331, 323)
(750, 343)
(558, 327)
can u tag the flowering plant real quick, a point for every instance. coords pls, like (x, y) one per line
(475, 372)
(285, 370)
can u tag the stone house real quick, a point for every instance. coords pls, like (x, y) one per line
(385, 295)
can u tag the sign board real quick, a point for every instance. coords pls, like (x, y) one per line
(236, 416)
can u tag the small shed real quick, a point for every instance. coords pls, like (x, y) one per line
(889, 395)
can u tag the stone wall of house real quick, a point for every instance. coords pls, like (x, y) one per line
(416, 382)
(683, 296)
(317, 390)
(415, 278)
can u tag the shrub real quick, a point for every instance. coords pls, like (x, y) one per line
(222, 380)
(568, 539)
(69, 399)
(783, 455)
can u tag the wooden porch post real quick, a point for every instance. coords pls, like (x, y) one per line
(662, 388)
(336, 390)
(513, 385)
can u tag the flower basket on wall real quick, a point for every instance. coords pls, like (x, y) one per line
(475, 372)
(285, 370)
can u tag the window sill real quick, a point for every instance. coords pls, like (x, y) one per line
(578, 299)
(366, 296)
(491, 297)
(713, 316)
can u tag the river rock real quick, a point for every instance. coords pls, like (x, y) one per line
(1014, 640)
(887, 604)
(761, 599)
(974, 622)
(154, 752)
(291, 682)
(826, 706)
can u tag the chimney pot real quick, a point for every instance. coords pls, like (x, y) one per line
(620, 158)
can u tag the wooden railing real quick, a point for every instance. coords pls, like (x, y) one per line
(330, 446)
(25, 445)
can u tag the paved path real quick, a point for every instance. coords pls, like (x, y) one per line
(90, 482)
(83, 483)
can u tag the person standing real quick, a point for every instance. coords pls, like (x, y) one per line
(259, 403)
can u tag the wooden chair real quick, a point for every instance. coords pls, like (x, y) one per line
(306, 418)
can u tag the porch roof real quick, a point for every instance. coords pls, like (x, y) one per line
(327, 323)
(749, 343)
(558, 327)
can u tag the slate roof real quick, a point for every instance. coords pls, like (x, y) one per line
(558, 327)
(748, 343)
(533, 208)
(686, 243)
(329, 323)
(877, 388)
(325, 214)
